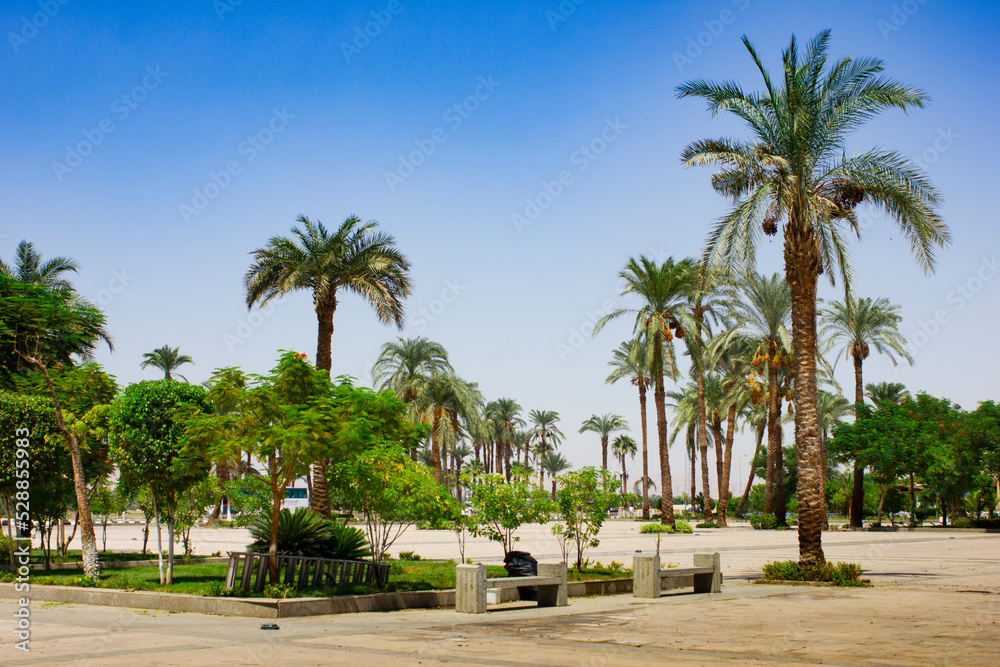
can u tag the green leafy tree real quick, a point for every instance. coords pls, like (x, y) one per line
(795, 171)
(290, 417)
(146, 444)
(500, 507)
(662, 292)
(392, 492)
(582, 503)
(983, 428)
(106, 501)
(167, 359)
(42, 330)
(355, 258)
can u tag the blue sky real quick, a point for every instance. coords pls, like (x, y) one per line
(158, 146)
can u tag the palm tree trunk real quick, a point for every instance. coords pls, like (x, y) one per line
(706, 488)
(773, 429)
(435, 447)
(756, 453)
(780, 500)
(802, 267)
(719, 442)
(727, 465)
(319, 500)
(660, 399)
(645, 452)
(858, 495)
(604, 451)
(693, 452)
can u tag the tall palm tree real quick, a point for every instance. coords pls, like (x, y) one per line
(761, 307)
(402, 366)
(685, 405)
(545, 432)
(29, 268)
(631, 360)
(167, 359)
(554, 463)
(604, 426)
(661, 289)
(795, 172)
(504, 414)
(356, 258)
(445, 398)
(624, 445)
(860, 324)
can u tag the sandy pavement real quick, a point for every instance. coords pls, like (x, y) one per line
(936, 602)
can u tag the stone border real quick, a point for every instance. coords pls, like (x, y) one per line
(292, 607)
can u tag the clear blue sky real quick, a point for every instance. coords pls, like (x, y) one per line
(159, 145)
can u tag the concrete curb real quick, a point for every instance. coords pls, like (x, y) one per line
(293, 607)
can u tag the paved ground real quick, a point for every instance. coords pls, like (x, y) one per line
(936, 602)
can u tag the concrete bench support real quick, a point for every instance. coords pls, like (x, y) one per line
(647, 577)
(471, 584)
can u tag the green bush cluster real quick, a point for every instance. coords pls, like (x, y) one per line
(305, 533)
(839, 574)
(680, 527)
(764, 521)
(707, 524)
(408, 555)
(965, 522)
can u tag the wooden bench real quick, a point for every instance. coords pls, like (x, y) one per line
(302, 572)
(648, 579)
(471, 585)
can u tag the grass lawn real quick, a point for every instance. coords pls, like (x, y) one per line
(38, 556)
(207, 578)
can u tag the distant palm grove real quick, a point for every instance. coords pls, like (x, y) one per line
(716, 348)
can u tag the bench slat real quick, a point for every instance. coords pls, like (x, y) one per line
(517, 582)
(685, 571)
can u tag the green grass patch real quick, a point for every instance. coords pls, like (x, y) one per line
(838, 574)
(208, 579)
(679, 527)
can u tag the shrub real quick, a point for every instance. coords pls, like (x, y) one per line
(4, 548)
(764, 521)
(305, 533)
(683, 527)
(655, 528)
(963, 523)
(839, 574)
(408, 555)
(707, 524)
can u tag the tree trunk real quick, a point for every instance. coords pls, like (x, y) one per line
(801, 269)
(645, 453)
(319, 501)
(780, 499)
(756, 453)
(277, 492)
(773, 429)
(660, 398)
(222, 472)
(170, 547)
(719, 443)
(727, 465)
(604, 451)
(435, 447)
(88, 539)
(706, 488)
(858, 495)
(159, 541)
(693, 451)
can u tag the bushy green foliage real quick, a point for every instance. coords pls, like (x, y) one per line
(678, 527)
(305, 533)
(582, 502)
(839, 574)
(764, 521)
(408, 555)
(499, 508)
(707, 524)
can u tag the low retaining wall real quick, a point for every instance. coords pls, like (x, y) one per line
(266, 608)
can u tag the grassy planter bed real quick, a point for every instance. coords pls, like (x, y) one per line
(206, 579)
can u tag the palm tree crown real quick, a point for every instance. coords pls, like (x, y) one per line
(402, 366)
(355, 258)
(29, 268)
(167, 359)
